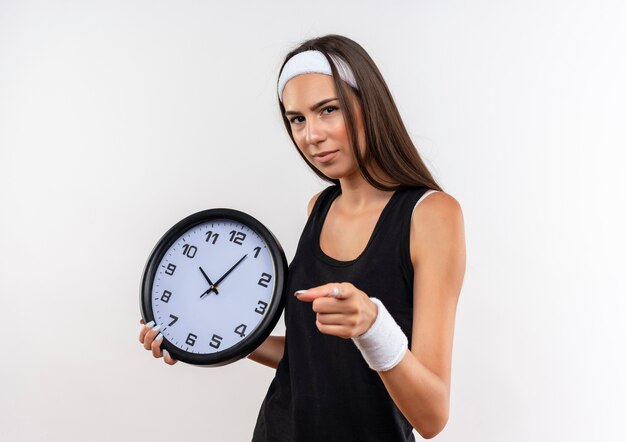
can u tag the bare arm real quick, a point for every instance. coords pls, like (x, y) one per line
(420, 383)
(271, 351)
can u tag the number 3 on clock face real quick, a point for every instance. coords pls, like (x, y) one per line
(214, 283)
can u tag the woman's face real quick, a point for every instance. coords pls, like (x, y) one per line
(318, 126)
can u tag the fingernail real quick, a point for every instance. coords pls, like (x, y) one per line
(299, 292)
(158, 327)
(165, 353)
(150, 324)
(159, 337)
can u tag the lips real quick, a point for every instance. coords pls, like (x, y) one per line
(326, 157)
(323, 154)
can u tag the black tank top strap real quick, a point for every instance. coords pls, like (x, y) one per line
(325, 199)
(400, 220)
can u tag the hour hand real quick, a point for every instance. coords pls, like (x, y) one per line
(213, 287)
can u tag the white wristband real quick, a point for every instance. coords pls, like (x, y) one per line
(384, 344)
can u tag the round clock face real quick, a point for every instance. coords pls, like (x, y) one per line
(214, 283)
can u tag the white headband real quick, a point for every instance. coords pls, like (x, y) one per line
(313, 62)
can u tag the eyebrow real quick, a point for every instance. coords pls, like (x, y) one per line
(315, 106)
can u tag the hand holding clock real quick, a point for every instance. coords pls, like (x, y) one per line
(147, 337)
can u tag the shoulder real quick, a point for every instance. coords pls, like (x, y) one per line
(437, 222)
(316, 196)
(312, 202)
(436, 204)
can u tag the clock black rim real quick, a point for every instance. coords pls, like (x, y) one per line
(270, 319)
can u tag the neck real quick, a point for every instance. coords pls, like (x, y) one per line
(357, 195)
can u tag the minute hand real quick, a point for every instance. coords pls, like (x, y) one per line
(228, 272)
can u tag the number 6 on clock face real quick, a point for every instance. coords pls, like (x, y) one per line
(214, 283)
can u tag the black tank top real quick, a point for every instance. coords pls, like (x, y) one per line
(323, 389)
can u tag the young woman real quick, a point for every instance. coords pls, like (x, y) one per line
(378, 269)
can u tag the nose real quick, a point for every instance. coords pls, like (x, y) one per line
(314, 133)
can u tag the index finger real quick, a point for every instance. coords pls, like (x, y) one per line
(333, 290)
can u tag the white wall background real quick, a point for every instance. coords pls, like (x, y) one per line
(119, 118)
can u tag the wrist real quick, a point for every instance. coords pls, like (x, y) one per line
(373, 314)
(384, 344)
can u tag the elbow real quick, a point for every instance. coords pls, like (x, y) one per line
(436, 427)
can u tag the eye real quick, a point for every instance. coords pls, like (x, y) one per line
(332, 108)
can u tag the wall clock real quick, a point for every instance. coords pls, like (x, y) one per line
(215, 284)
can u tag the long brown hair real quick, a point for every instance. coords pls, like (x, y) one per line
(388, 144)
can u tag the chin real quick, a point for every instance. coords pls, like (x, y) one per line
(330, 173)
(336, 175)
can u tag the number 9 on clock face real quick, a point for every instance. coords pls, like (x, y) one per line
(215, 285)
